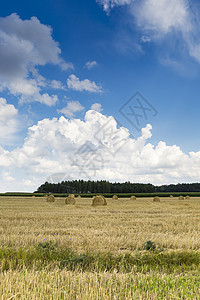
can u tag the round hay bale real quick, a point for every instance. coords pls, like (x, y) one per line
(133, 198)
(187, 197)
(156, 199)
(180, 198)
(171, 196)
(99, 201)
(115, 197)
(79, 197)
(51, 198)
(70, 200)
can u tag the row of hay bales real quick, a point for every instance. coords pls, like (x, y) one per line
(69, 200)
(157, 199)
(101, 200)
(181, 197)
(96, 201)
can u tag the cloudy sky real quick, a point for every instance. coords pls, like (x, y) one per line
(99, 89)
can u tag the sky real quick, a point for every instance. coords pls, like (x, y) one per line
(99, 90)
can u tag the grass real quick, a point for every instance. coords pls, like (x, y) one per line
(48, 255)
(56, 251)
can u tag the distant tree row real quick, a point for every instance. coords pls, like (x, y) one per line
(85, 187)
(103, 186)
(180, 187)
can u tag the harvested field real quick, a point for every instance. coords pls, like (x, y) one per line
(34, 232)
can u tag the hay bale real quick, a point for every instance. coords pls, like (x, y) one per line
(70, 200)
(133, 198)
(187, 197)
(99, 201)
(156, 199)
(79, 197)
(180, 198)
(115, 197)
(51, 198)
(171, 196)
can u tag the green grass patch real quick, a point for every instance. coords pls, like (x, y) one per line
(49, 254)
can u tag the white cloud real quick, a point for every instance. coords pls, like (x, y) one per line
(162, 16)
(91, 64)
(55, 84)
(76, 84)
(145, 39)
(97, 107)
(164, 20)
(109, 4)
(25, 45)
(9, 123)
(71, 108)
(7, 177)
(66, 66)
(158, 18)
(85, 148)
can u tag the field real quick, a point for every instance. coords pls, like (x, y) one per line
(58, 251)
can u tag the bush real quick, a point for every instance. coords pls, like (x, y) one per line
(149, 245)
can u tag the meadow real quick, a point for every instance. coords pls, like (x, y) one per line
(59, 251)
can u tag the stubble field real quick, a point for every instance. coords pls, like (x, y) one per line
(59, 251)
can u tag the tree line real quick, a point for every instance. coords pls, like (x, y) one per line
(103, 186)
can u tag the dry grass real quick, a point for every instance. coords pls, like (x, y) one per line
(64, 284)
(171, 224)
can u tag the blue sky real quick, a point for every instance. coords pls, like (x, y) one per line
(68, 67)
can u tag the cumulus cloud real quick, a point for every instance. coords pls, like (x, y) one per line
(91, 64)
(97, 107)
(71, 108)
(25, 45)
(9, 123)
(57, 85)
(76, 84)
(95, 148)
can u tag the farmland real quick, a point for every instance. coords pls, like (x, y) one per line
(58, 251)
